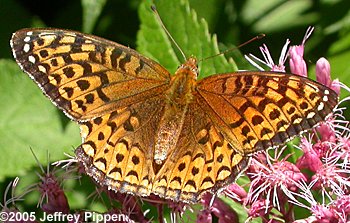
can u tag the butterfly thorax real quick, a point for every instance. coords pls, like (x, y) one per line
(178, 97)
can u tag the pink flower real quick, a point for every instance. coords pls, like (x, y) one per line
(51, 192)
(343, 150)
(50, 189)
(331, 179)
(235, 192)
(296, 60)
(324, 214)
(310, 159)
(310, 219)
(323, 75)
(327, 133)
(268, 61)
(273, 181)
(259, 208)
(342, 207)
(336, 86)
(204, 216)
(220, 209)
(323, 72)
(296, 53)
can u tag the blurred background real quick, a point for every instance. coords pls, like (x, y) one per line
(233, 21)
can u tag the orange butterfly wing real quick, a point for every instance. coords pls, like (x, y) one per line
(259, 110)
(84, 75)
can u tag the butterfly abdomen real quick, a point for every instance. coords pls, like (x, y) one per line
(179, 96)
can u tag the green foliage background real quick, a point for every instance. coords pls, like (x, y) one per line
(29, 120)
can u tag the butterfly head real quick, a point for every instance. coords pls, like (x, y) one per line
(189, 68)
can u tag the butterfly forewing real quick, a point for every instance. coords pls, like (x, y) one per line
(84, 75)
(260, 110)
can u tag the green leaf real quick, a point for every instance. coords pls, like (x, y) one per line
(91, 11)
(240, 210)
(208, 10)
(191, 35)
(29, 120)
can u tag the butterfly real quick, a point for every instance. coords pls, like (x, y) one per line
(146, 131)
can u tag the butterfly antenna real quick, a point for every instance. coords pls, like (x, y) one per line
(154, 9)
(260, 36)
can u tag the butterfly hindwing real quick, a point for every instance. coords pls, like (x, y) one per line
(118, 148)
(203, 160)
